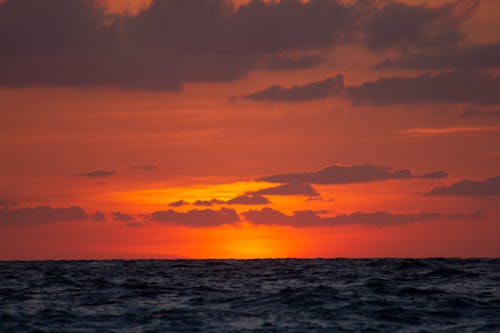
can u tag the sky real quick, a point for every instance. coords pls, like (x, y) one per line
(249, 129)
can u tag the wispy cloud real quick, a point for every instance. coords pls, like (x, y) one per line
(449, 130)
(97, 174)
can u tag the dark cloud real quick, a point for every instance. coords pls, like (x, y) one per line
(289, 189)
(286, 62)
(475, 113)
(310, 25)
(146, 167)
(197, 218)
(240, 200)
(477, 56)
(178, 203)
(216, 27)
(329, 87)
(61, 42)
(340, 174)
(270, 216)
(488, 187)
(401, 25)
(249, 200)
(98, 216)
(208, 203)
(40, 215)
(169, 43)
(122, 217)
(3, 202)
(435, 175)
(455, 86)
(76, 43)
(98, 174)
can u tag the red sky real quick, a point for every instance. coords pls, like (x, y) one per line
(211, 129)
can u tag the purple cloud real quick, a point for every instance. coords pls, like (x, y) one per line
(219, 42)
(455, 86)
(40, 215)
(488, 187)
(289, 189)
(249, 200)
(330, 87)
(309, 218)
(197, 218)
(208, 203)
(340, 174)
(178, 203)
(122, 217)
(98, 174)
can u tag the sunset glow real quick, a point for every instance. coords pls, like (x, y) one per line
(249, 129)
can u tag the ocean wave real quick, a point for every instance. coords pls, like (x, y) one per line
(281, 295)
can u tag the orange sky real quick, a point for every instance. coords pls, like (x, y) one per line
(165, 112)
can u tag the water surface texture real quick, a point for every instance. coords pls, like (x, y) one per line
(289, 295)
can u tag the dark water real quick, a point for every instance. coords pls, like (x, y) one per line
(338, 295)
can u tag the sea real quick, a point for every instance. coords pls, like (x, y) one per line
(267, 295)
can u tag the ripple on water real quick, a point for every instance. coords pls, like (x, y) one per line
(317, 295)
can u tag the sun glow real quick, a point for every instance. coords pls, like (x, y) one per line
(249, 241)
(161, 197)
(244, 241)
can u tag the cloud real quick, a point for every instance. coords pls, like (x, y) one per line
(208, 203)
(127, 219)
(340, 174)
(286, 62)
(98, 216)
(3, 202)
(172, 42)
(477, 56)
(122, 217)
(474, 113)
(401, 25)
(435, 175)
(329, 87)
(240, 200)
(147, 51)
(465, 86)
(249, 200)
(454, 86)
(488, 187)
(197, 218)
(450, 130)
(289, 189)
(178, 203)
(40, 215)
(146, 167)
(309, 218)
(98, 174)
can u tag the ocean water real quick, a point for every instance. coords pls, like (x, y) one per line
(278, 295)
